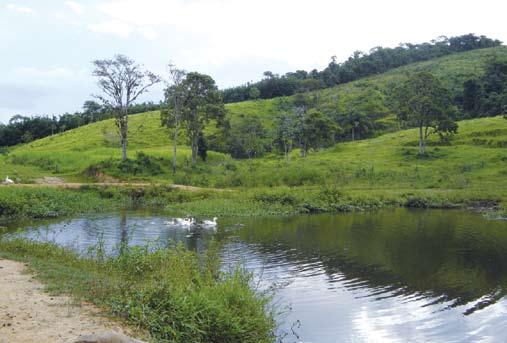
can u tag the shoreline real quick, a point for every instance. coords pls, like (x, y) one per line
(28, 313)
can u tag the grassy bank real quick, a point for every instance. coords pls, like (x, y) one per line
(173, 294)
(37, 203)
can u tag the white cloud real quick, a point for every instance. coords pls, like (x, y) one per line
(116, 27)
(49, 75)
(148, 32)
(20, 9)
(123, 29)
(75, 7)
(302, 34)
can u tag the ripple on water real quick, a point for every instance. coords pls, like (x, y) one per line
(386, 276)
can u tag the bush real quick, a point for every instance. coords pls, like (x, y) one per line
(143, 164)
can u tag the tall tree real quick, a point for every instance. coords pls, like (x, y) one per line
(174, 96)
(286, 133)
(422, 101)
(247, 138)
(122, 81)
(91, 111)
(314, 130)
(202, 102)
(471, 96)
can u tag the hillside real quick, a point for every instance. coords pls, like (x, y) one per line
(474, 160)
(452, 70)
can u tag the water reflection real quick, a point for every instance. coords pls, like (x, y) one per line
(116, 231)
(392, 275)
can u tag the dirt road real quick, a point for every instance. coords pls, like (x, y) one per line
(29, 315)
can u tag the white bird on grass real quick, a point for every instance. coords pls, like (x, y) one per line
(8, 181)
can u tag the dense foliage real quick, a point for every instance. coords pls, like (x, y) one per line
(199, 102)
(360, 64)
(486, 96)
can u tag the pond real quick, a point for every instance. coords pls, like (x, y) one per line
(394, 275)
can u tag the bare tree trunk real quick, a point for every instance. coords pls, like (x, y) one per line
(123, 149)
(194, 143)
(421, 140)
(353, 134)
(303, 151)
(124, 133)
(175, 142)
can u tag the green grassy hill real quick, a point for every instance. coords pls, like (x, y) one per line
(452, 70)
(475, 160)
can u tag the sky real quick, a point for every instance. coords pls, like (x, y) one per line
(47, 46)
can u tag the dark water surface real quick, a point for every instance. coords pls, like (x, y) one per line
(387, 276)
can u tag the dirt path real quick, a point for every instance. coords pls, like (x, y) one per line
(77, 185)
(28, 314)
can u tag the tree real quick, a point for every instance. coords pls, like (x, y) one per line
(122, 81)
(422, 101)
(91, 111)
(286, 133)
(471, 96)
(202, 102)
(254, 93)
(174, 97)
(357, 124)
(202, 147)
(247, 138)
(314, 130)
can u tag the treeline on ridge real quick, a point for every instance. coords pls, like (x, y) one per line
(24, 129)
(360, 64)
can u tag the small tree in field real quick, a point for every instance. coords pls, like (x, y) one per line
(286, 133)
(122, 81)
(247, 138)
(314, 130)
(202, 102)
(254, 93)
(422, 101)
(174, 96)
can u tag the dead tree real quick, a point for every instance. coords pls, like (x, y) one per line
(122, 81)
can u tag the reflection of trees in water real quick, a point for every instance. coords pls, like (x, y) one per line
(439, 255)
(124, 235)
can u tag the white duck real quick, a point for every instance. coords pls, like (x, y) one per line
(8, 181)
(185, 222)
(210, 224)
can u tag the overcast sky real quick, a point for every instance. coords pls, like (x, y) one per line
(46, 46)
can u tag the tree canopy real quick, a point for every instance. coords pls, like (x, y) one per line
(423, 102)
(201, 103)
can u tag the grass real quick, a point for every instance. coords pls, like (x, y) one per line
(172, 293)
(383, 171)
(71, 153)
